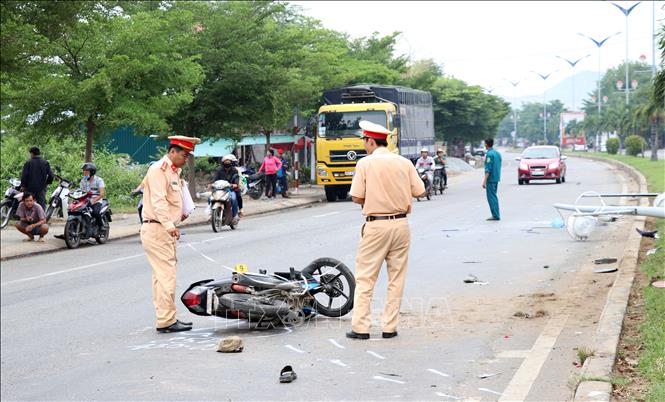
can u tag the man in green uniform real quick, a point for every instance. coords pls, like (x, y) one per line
(492, 178)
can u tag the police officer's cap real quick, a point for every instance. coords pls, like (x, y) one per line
(186, 143)
(373, 130)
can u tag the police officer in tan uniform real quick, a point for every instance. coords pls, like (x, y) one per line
(384, 184)
(162, 212)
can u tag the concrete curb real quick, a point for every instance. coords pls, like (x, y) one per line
(196, 222)
(610, 324)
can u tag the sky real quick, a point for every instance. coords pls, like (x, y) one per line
(491, 43)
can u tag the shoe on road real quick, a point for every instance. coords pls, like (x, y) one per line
(185, 323)
(492, 219)
(356, 335)
(387, 335)
(175, 327)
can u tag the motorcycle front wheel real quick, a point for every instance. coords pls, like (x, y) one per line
(216, 220)
(50, 211)
(335, 296)
(73, 233)
(6, 212)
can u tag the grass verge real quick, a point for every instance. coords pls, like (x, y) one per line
(652, 331)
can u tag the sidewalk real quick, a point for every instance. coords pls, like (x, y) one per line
(127, 225)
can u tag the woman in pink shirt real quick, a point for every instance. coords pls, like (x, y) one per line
(270, 166)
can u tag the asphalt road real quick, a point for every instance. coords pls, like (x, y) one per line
(79, 325)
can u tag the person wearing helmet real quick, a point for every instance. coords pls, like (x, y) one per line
(426, 162)
(242, 184)
(229, 173)
(94, 183)
(440, 163)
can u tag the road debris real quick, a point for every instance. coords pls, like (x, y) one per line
(483, 376)
(605, 261)
(232, 344)
(605, 270)
(652, 251)
(546, 266)
(474, 279)
(648, 233)
(658, 284)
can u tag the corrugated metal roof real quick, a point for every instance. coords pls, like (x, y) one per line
(224, 146)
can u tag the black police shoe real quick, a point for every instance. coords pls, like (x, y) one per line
(356, 335)
(175, 327)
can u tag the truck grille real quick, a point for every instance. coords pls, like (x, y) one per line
(345, 156)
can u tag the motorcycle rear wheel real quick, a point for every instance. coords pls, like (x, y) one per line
(333, 286)
(255, 192)
(73, 233)
(103, 235)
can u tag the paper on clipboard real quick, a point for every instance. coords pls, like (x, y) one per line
(187, 202)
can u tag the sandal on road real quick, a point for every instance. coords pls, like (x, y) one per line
(287, 375)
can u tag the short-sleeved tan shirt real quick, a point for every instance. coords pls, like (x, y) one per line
(388, 183)
(162, 193)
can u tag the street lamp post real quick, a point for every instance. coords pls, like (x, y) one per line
(572, 64)
(514, 84)
(544, 77)
(599, 44)
(626, 12)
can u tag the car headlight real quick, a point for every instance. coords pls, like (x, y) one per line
(554, 165)
(524, 166)
(322, 172)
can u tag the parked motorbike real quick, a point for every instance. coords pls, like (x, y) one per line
(139, 207)
(256, 185)
(325, 286)
(9, 205)
(220, 204)
(59, 199)
(81, 225)
(438, 180)
(422, 172)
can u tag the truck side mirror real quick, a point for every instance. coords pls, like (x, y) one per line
(397, 121)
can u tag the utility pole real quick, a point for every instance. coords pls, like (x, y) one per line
(572, 64)
(626, 12)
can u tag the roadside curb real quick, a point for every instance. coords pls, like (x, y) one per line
(599, 367)
(198, 222)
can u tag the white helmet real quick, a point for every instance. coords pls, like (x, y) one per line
(229, 157)
(424, 150)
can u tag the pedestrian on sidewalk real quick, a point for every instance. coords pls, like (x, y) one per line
(32, 219)
(270, 166)
(492, 178)
(282, 175)
(384, 184)
(36, 176)
(162, 212)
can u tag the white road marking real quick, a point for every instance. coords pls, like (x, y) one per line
(338, 363)
(448, 396)
(295, 349)
(334, 342)
(438, 372)
(213, 239)
(520, 384)
(324, 215)
(378, 356)
(64, 271)
(378, 377)
(490, 391)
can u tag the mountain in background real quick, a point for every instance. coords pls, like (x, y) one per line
(585, 82)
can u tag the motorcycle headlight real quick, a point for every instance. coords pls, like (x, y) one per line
(322, 172)
(554, 165)
(64, 184)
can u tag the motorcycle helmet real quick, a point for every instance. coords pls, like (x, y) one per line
(89, 166)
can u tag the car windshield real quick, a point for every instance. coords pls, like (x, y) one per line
(345, 124)
(540, 153)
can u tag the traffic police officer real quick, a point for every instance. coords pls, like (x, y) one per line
(162, 212)
(492, 178)
(384, 183)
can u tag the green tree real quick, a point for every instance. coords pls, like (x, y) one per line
(99, 69)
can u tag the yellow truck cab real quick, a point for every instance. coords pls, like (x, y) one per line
(406, 112)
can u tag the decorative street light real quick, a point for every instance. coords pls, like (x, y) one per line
(599, 44)
(626, 12)
(514, 116)
(573, 63)
(544, 77)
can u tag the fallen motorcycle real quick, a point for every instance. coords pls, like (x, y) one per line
(325, 286)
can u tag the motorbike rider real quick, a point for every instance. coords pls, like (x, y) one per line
(230, 173)
(242, 184)
(94, 183)
(440, 161)
(426, 162)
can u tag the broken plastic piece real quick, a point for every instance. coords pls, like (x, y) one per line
(605, 261)
(604, 270)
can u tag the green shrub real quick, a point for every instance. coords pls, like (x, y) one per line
(612, 145)
(634, 145)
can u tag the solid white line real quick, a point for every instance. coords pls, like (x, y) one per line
(490, 391)
(378, 356)
(213, 239)
(324, 215)
(438, 372)
(448, 396)
(293, 348)
(64, 271)
(339, 363)
(334, 342)
(378, 377)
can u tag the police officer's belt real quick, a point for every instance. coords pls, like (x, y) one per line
(380, 218)
(150, 221)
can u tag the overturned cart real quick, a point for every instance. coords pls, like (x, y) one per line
(584, 218)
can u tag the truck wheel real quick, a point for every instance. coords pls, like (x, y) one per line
(331, 193)
(342, 193)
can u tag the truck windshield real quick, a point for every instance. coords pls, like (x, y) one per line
(345, 124)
